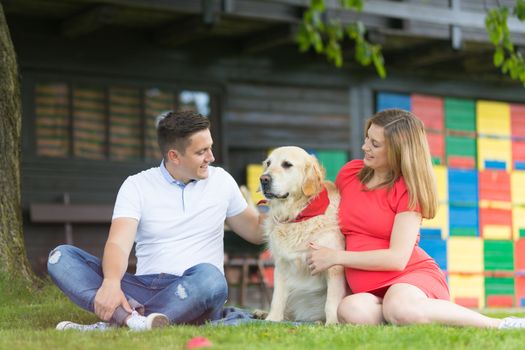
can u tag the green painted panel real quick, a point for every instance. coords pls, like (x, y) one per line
(332, 161)
(498, 255)
(522, 232)
(460, 114)
(463, 231)
(499, 286)
(460, 146)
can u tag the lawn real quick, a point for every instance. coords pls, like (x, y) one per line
(28, 317)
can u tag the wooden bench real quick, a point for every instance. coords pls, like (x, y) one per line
(67, 213)
(245, 266)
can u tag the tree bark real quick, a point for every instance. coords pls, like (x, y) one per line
(13, 258)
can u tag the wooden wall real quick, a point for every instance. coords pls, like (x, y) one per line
(263, 116)
(264, 101)
(261, 105)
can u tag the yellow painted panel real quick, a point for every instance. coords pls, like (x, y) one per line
(467, 287)
(442, 182)
(498, 232)
(439, 221)
(465, 254)
(518, 221)
(253, 173)
(484, 203)
(517, 187)
(494, 149)
(493, 118)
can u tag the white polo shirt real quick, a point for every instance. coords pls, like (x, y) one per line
(180, 225)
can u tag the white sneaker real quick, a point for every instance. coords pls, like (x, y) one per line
(99, 326)
(512, 323)
(138, 322)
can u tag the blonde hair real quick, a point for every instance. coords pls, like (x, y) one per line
(408, 155)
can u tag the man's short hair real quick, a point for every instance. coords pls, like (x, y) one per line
(174, 129)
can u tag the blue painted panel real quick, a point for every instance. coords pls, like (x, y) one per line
(463, 186)
(522, 302)
(387, 100)
(427, 233)
(519, 165)
(495, 164)
(463, 217)
(437, 249)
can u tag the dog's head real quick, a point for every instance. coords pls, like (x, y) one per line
(291, 172)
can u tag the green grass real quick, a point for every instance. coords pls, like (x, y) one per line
(28, 317)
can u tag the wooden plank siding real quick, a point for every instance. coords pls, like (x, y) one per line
(263, 116)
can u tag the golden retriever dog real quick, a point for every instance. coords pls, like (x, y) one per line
(302, 209)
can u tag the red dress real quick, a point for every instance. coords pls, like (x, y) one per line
(366, 219)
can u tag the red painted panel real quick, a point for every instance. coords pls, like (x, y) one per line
(500, 300)
(471, 302)
(519, 255)
(518, 152)
(490, 216)
(494, 185)
(430, 110)
(436, 143)
(517, 120)
(459, 162)
(520, 289)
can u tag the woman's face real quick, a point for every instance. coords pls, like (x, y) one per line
(375, 149)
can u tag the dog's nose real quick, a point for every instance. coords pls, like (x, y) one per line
(265, 180)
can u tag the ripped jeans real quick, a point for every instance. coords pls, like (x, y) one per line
(193, 298)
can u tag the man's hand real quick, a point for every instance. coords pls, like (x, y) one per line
(109, 296)
(320, 258)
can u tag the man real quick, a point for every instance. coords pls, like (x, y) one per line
(175, 213)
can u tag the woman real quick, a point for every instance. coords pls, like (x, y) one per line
(383, 200)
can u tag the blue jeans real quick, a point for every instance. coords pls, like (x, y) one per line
(193, 298)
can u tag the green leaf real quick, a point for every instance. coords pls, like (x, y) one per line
(499, 57)
(519, 10)
(379, 63)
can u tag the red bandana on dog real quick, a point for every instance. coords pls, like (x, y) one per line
(316, 207)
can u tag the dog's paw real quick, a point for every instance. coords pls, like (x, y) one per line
(259, 314)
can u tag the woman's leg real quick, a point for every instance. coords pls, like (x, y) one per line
(195, 297)
(405, 304)
(361, 308)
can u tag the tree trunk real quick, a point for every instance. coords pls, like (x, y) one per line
(13, 259)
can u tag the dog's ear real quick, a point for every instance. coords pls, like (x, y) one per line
(313, 177)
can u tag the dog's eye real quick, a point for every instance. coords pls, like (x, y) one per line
(286, 164)
(267, 163)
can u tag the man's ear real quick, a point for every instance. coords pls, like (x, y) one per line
(313, 178)
(173, 156)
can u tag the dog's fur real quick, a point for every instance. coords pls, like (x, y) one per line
(291, 179)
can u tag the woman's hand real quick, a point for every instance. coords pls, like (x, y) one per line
(320, 259)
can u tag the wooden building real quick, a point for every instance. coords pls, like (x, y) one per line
(96, 73)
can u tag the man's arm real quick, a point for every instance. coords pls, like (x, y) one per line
(248, 225)
(114, 264)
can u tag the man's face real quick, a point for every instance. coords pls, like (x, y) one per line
(193, 164)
